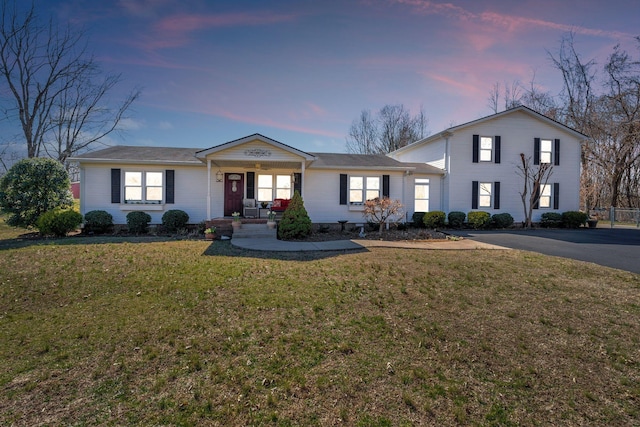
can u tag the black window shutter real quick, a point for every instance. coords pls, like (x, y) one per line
(556, 152)
(297, 185)
(476, 148)
(474, 195)
(497, 149)
(556, 195)
(536, 151)
(170, 189)
(385, 185)
(536, 205)
(496, 195)
(251, 185)
(115, 185)
(343, 188)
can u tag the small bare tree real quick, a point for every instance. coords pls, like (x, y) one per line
(383, 210)
(535, 178)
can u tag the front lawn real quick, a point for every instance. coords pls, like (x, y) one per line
(95, 331)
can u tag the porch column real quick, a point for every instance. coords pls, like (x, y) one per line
(208, 189)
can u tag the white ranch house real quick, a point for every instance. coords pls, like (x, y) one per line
(468, 167)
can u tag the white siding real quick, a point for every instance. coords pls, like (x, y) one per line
(432, 154)
(322, 194)
(238, 153)
(517, 132)
(190, 192)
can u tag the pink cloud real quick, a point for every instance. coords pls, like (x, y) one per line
(483, 36)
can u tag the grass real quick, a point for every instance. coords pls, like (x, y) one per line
(181, 332)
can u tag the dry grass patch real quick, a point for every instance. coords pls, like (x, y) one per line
(183, 333)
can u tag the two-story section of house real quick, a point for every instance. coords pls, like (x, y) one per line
(481, 161)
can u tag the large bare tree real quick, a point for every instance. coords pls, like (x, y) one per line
(393, 127)
(606, 106)
(52, 86)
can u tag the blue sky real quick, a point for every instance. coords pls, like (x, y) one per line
(300, 71)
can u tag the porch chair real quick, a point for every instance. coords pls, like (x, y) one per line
(250, 208)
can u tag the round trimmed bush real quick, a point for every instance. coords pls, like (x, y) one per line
(138, 221)
(574, 219)
(98, 222)
(174, 219)
(502, 220)
(418, 219)
(456, 219)
(478, 219)
(434, 219)
(551, 220)
(58, 222)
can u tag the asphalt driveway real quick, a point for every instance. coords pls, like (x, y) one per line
(611, 247)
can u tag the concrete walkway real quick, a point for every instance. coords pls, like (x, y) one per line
(252, 240)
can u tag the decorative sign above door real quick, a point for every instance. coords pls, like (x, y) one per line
(257, 152)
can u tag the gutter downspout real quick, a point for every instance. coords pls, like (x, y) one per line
(208, 189)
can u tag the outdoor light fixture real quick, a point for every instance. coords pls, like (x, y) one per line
(293, 177)
(219, 176)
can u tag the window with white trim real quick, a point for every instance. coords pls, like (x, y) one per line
(546, 150)
(486, 148)
(283, 186)
(421, 195)
(545, 196)
(143, 187)
(485, 191)
(267, 191)
(362, 188)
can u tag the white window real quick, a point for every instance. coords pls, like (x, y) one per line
(546, 150)
(545, 196)
(486, 148)
(421, 195)
(484, 195)
(362, 188)
(283, 186)
(143, 187)
(266, 190)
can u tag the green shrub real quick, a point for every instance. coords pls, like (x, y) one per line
(551, 220)
(98, 222)
(174, 219)
(418, 219)
(456, 219)
(434, 219)
(295, 222)
(138, 221)
(32, 187)
(58, 222)
(574, 219)
(478, 219)
(502, 220)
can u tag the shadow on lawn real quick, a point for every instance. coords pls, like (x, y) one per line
(225, 248)
(216, 248)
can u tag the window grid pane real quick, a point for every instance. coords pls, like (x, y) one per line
(265, 188)
(421, 195)
(546, 150)
(485, 195)
(486, 146)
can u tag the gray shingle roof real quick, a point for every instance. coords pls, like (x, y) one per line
(173, 155)
(126, 153)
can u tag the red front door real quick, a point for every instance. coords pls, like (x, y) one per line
(233, 193)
